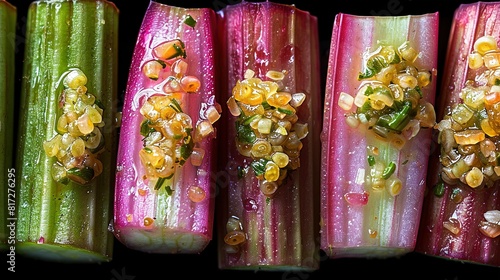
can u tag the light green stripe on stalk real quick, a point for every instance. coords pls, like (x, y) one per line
(380, 209)
(8, 17)
(269, 235)
(61, 36)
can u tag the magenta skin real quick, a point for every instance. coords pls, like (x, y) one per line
(180, 225)
(470, 22)
(387, 226)
(282, 231)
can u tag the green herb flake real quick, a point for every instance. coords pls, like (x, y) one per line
(439, 189)
(371, 160)
(169, 190)
(190, 21)
(389, 170)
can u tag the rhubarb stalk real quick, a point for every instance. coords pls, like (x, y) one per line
(8, 15)
(376, 133)
(67, 131)
(461, 212)
(164, 195)
(269, 173)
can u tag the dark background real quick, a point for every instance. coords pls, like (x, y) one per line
(129, 265)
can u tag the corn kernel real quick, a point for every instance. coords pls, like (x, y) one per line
(235, 237)
(484, 44)
(74, 79)
(78, 147)
(261, 148)
(280, 158)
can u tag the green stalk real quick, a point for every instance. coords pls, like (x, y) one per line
(8, 15)
(56, 221)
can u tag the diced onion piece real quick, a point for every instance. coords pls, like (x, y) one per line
(489, 229)
(179, 67)
(301, 129)
(361, 98)
(233, 224)
(393, 185)
(264, 125)
(152, 69)
(492, 216)
(169, 50)
(279, 99)
(212, 114)
(475, 60)
(453, 225)
(491, 59)
(234, 109)
(297, 99)
(275, 75)
(197, 156)
(461, 114)
(345, 101)
(493, 96)
(486, 127)
(204, 128)
(281, 130)
(469, 137)
(249, 73)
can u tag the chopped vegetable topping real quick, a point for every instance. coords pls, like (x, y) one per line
(267, 127)
(79, 139)
(170, 136)
(235, 236)
(190, 21)
(469, 132)
(389, 105)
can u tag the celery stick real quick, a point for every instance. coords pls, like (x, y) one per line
(461, 211)
(269, 179)
(164, 192)
(375, 145)
(69, 84)
(8, 15)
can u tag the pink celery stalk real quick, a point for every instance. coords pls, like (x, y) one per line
(357, 219)
(170, 219)
(458, 207)
(280, 230)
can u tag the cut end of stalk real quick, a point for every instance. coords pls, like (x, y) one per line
(163, 240)
(370, 252)
(60, 253)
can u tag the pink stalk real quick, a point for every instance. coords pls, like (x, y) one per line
(364, 214)
(460, 219)
(263, 223)
(175, 216)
